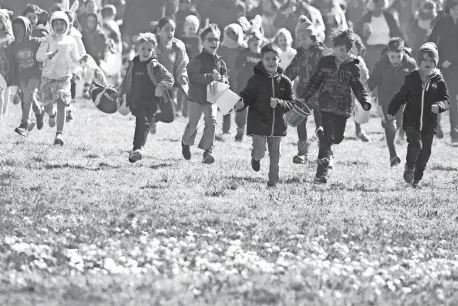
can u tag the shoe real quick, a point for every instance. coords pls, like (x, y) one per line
(321, 176)
(153, 128)
(31, 126)
(302, 152)
(395, 161)
(52, 120)
(271, 184)
(208, 158)
(361, 135)
(239, 135)
(300, 159)
(22, 129)
(415, 183)
(136, 155)
(319, 132)
(255, 164)
(69, 115)
(58, 141)
(39, 117)
(408, 174)
(186, 151)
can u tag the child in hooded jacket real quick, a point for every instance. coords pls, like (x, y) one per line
(268, 96)
(34, 13)
(425, 95)
(284, 40)
(6, 37)
(302, 67)
(25, 71)
(59, 54)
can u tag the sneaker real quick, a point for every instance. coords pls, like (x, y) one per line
(299, 159)
(135, 155)
(52, 120)
(39, 117)
(186, 151)
(22, 129)
(239, 135)
(271, 184)
(69, 115)
(255, 164)
(31, 126)
(408, 174)
(153, 128)
(415, 183)
(208, 158)
(395, 161)
(361, 135)
(58, 141)
(321, 176)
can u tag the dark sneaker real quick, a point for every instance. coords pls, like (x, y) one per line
(136, 155)
(186, 151)
(408, 174)
(416, 184)
(300, 159)
(31, 126)
(321, 176)
(58, 141)
(363, 136)
(208, 158)
(69, 115)
(271, 184)
(395, 161)
(255, 164)
(39, 117)
(22, 129)
(239, 135)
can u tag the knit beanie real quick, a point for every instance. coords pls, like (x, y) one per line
(305, 26)
(429, 49)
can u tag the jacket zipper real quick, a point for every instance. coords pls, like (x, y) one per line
(425, 88)
(273, 109)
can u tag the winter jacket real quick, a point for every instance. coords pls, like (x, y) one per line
(22, 56)
(95, 40)
(174, 58)
(419, 98)
(200, 70)
(445, 35)
(63, 64)
(157, 73)
(264, 120)
(79, 42)
(244, 65)
(389, 79)
(337, 85)
(392, 25)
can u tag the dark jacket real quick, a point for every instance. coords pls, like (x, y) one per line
(336, 86)
(244, 65)
(389, 79)
(95, 41)
(445, 36)
(264, 120)
(392, 25)
(418, 99)
(200, 70)
(156, 72)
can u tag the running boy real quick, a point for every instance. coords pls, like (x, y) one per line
(425, 94)
(388, 77)
(144, 84)
(338, 75)
(269, 95)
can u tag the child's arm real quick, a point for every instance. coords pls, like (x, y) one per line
(358, 89)
(223, 72)
(443, 103)
(166, 79)
(375, 79)
(399, 99)
(292, 70)
(194, 73)
(182, 61)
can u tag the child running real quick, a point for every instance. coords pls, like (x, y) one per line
(425, 94)
(203, 70)
(388, 77)
(269, 95)
(6, 37)
(59, 53)
(284, 40)
(338, 75)
(145, 82)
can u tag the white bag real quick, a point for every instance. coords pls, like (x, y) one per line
(215, 90)
(361, 116)
(226, 102)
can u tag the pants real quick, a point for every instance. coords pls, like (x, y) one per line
(167, 114)
(391, 127)
(73, 89)
(29, 89)
(240, 121)
(196, 110)
(144, 115)
(334, 129)
(418, 150)
(259, 151)
(182, 103)
(452, 80)
(302, 127)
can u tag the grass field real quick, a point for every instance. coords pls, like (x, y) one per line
(80, 225)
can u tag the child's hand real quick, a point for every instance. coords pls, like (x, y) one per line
(435, 108)
(239, 105)
(183, 80)
(84, 58)
(52, 54)
(159, 91)
(273, 102)
(216, 75)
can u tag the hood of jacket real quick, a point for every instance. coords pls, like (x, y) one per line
(261, 70)
(26, 23)
(59, 15)
(98, 20)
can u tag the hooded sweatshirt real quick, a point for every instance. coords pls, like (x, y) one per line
(174, 58)
(22, 55)
(95, 40)
(62, 65)
(6, 37)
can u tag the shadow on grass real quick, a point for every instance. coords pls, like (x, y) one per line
(96, 167)
(160, 166)
(443, 168)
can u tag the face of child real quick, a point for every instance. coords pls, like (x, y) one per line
(91, 22)
(395, 58)
(427, 65)
(271, 60)
(146, 50)
(232, 35)
(59, 26)
(341, 53)
(454, 12)
(282, 42)
(32, 17)
(167, 32)
(18, 31)
(191, 30)
(255, 45)
(304, 41)
(211, 42)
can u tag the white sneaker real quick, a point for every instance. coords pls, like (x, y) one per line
(136, 155)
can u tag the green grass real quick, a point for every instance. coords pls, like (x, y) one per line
(80, 225)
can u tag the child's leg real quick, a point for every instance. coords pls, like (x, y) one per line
(227, 124)
(195, 112)
(303, 144)
(240, 121)
(29, 89)
(413, 148)
(259, 147)
(6, 100)
(339, 129)
(328, 136)
(390, 133)
(143, 118)
(185, 106)
(61, 116)
(273, 144)
(208, 138)
(167, 114)
(423, 156)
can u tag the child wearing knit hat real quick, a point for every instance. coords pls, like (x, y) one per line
(302, 67)
(425, 94)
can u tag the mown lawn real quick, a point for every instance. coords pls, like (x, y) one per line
(80, 225)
